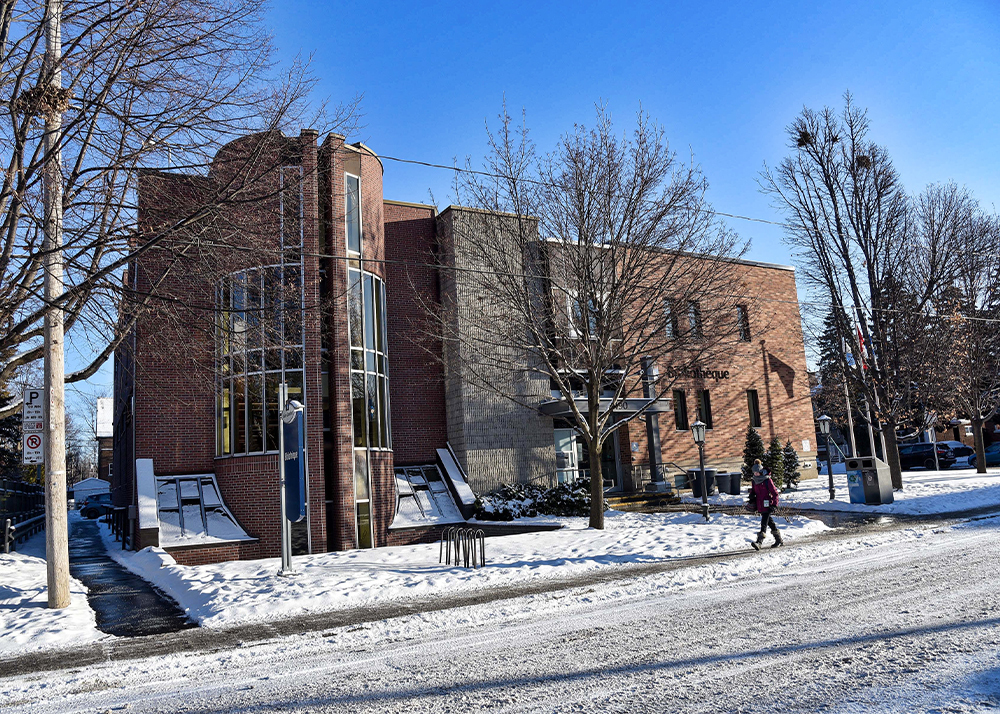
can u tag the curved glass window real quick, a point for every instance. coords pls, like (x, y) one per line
(259, 342)
(369, 368)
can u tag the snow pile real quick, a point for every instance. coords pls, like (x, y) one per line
(924, 493)
(26, 622)
(521, 500)
(224, 594)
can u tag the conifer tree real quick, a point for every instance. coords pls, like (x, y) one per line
(774, 461)
(791, 465)
(10, 440)
(753, 449)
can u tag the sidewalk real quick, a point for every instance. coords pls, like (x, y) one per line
(234, 593)
(125, 605)
(925, 493)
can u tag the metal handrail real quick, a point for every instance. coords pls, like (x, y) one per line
(16, 531)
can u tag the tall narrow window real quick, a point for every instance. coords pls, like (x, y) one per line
(670, 319)
(583, 320)
(680, 410)
(743, 323)
(705, 408)
(352, 216)
(694, 321)
(753, 404)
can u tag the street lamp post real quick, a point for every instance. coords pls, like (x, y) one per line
(824, 429)
(698, 432)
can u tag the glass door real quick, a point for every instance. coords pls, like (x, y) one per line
(567, 463)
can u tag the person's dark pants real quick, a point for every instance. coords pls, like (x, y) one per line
(767, 522)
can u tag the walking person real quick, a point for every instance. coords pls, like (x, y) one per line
(764, 499)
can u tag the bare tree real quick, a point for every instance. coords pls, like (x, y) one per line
(579, 268)
(878, 262)
(971, 334)
(146, 85)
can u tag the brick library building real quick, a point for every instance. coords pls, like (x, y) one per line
(284, 264)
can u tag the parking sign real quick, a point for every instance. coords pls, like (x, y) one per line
(31, 449)
(33, 426)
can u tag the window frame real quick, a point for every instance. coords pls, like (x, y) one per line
(753, 406)
(694, 320)
(743, 323)
(704, 407)
(681, 411)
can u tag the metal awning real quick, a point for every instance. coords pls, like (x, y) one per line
(560, 407)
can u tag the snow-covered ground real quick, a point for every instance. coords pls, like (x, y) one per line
(237, 592)
(898, 621)
(924, 493)
(26, 622)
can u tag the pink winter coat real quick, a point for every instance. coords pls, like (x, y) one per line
(765, 491)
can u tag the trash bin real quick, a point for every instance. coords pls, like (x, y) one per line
(735, 484)
(868, 481)
(722, 481)
(694, 478)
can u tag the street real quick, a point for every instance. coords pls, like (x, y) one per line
(908, 622)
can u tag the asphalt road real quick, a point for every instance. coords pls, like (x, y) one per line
(909, 622)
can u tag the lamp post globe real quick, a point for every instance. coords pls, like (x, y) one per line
(824, 429)
(698, 432)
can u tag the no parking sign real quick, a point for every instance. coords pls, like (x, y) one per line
(32, 426)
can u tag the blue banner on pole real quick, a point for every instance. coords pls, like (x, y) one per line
(292, 424)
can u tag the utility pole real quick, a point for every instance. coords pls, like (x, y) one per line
(56, 535)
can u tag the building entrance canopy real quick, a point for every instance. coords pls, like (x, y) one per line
(561, 408)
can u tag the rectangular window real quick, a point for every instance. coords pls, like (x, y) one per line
(583, 321)
(358, 410)
(226, 429)
(369, 313)
(352, 217)
(354, 301)
(694, 321)
(670, 319)
(273, 410)
(255, 407)
(743, 323)
(753, 404)
(219, 420)
(373, 411)
(680, 410)
(383, 400)
(705, 408)
(293, 380)
(239, 415)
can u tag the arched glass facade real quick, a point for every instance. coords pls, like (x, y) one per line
(259, 340)
(368, 362)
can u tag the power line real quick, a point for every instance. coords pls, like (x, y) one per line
(539, 182)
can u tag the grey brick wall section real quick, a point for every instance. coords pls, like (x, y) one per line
(497, 440)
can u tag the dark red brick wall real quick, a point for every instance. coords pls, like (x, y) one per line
(416, 375)
(773, 363)
(174, 382)
(335, 159)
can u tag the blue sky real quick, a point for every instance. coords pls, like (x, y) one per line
(724, 78)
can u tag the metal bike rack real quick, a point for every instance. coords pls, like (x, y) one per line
(468, 545)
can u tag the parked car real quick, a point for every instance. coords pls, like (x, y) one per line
(922, 456)
(958, 449)
(992, 454)
(96, 505)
